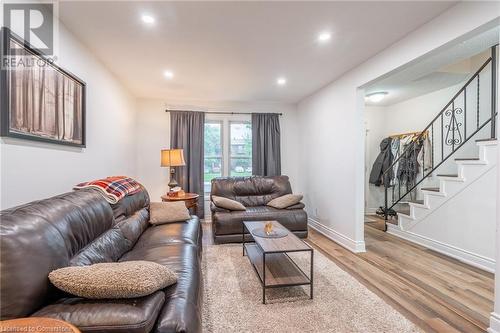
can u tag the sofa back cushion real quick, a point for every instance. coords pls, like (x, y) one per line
(131, 219)
(131, 204)
(251, 191)
(41, 236)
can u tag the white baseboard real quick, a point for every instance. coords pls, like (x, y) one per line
(462, 255)
(494, 323)
(348, 243)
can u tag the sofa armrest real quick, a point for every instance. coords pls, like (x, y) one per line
(216, 209)
(300, 205)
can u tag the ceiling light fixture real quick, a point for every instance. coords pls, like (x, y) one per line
(168, 74)
(148, 19)
(376, 96)
(281, 81)
(324, 37)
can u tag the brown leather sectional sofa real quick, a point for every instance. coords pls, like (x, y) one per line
(254, 193)
(81, 228)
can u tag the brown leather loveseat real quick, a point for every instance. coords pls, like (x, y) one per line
(81, 228)
(254, 193)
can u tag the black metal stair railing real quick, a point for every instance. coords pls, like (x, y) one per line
(462, 118)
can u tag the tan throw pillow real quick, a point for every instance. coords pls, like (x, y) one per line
(227, 203)
(126, 279)
(168, 212)
(285, 201)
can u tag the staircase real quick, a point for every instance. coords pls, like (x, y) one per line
(468, 171)
(463, 154)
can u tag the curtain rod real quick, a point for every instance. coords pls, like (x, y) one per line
(218, 112)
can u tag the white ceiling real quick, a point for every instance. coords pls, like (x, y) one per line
(234, 51)
(451, 65)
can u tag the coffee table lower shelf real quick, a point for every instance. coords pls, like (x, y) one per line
(280, 270)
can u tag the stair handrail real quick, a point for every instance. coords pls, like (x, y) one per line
(445, 110)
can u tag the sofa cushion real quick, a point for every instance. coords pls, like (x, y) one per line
(251, 191)
(112, 244)
(171, 233)
(113, 280)
(285, 201)
(130, 204)
(134, 315)
(181, 312)
(168, 212)
(227, 203)
(41, 236)
(231, 222)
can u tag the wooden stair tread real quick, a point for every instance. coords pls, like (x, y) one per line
(402, 208)
(433, 189)
(447, 175)
(420, 202)
(486, 140)
(467, 159)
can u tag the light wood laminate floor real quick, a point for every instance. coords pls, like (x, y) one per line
(436, 292)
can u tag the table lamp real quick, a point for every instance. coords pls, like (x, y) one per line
(172, 158)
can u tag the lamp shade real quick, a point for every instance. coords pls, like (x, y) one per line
(172, 157)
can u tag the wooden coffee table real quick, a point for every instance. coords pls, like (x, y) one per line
(271, 262)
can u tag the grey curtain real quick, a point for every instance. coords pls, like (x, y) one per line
(187, 132)
(266, 150)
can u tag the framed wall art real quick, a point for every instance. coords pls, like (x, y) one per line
(39, 100)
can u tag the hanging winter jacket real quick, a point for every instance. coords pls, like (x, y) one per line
(382, 163)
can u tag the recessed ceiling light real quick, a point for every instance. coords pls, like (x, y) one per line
(376, 96)
(148, 19)
(281, 81)
(168, 74)
(324, 37)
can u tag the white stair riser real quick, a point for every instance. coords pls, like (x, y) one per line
(418, 211)
(451, 187)
(470, 170)
(404, 221)
(488, 153)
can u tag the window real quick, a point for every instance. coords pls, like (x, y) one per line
(228, 147)
(213, 151)
(240, 149)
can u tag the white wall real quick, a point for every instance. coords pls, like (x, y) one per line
(31, 170)
(153, 134)
(332, 147)
(495, 315)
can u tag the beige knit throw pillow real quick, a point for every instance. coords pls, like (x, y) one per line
(127, 279)
(227, 203)
(285, 201)
(168, 212)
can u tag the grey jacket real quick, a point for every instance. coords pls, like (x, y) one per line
(382, 163)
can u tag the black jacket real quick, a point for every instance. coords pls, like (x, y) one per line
(383, 161)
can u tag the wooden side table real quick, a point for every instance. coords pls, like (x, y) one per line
(190, 199)
(37, 325)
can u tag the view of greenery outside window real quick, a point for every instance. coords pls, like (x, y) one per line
(213, 152)
(240, 149)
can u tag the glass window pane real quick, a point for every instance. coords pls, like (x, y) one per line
(240, 149)
(213, 153)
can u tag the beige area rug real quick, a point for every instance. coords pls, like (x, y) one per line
(233, 299)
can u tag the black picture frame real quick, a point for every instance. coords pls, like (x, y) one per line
(6, 35)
